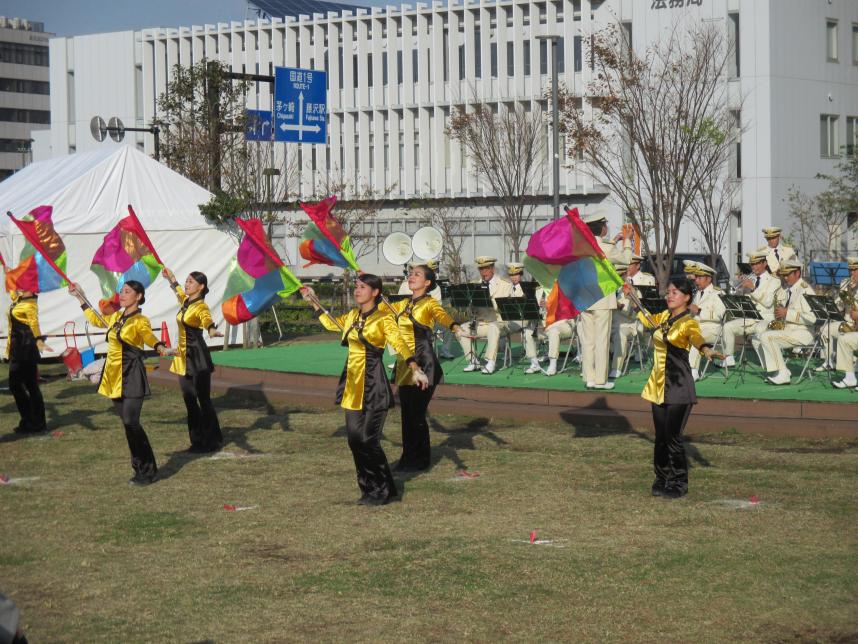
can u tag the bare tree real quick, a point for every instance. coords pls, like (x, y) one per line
(506, 149)
(710, 212)
(661, 127)
(818, 222)
(449, 221)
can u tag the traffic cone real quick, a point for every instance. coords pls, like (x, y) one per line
(165, 335)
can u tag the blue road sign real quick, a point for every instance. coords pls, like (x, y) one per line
(300, 105)
(258, 126)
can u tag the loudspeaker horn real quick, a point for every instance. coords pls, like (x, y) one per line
(427, 243)
(397, 248)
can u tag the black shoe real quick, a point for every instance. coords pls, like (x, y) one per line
(658, 489)
(673, 493)
(140, 480)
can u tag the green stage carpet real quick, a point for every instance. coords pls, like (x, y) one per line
(327, 359)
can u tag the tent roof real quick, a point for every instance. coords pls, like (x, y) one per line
(90, 192)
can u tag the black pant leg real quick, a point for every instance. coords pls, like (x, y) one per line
(373, 471)
(669, 460)
(209, 424)
(142, 457)
(189, 395)
(24, 384)
(416, 448)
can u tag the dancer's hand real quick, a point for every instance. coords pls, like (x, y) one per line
(42, 347)
(421, 378)
(214, 333)
(76, 291)
(710, 354)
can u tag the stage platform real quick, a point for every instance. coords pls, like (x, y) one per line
(307, 373)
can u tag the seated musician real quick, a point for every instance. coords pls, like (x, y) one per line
(708, 309)
(555, 331)
(830, 334)
(488, 321)
(761, 286)
(793, 323)
(624, 322)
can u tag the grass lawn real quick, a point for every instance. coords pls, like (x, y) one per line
(89, 558)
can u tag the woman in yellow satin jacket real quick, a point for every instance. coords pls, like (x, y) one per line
(416, 318)
(364, 390)
(124, 378)
(670, 387)
(23, 348)
(193, 361)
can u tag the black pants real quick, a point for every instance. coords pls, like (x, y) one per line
(24, 384)
(142, 457)
(373, 472)
(416, 451)
(203, 425)
(669, 462)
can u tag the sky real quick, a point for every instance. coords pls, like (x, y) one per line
(77, 17)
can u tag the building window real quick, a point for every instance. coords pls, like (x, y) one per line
(369, 70)
(737, 147)
(561, 64)
(23, 86)
(855, 44)
(527, 58)
(831, 40)
(461, 62)
(543, 57)
(828, 135)
(576, 53)
(445, 55)
(733, 44)
(478, 59)
(852, 136)
(494, 59)
(414, 63)
(399, 67)
(510, 60)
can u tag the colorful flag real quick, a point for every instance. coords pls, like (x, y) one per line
(324, 241)
(126, 254)
(258, 277)
(43, 258)
(565, 258)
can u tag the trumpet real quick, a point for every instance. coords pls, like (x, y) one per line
(848, 327)
(737, 287)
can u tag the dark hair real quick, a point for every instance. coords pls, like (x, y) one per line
(430, 275)
(596, 227)
(683, 286)
(374, 282)
(202, 280)
(137, 287)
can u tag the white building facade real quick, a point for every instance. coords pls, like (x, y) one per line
(395, 75)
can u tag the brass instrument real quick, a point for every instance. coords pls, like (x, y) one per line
(778, 325)
(848, 327)
(849, 301)
(736, 287)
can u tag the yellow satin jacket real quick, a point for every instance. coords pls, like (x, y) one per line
(24, 332)
(671, 381)
(193, 318)
(425, 311)
(124, 374)
(364, 383)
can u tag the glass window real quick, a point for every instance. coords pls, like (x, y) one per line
(527, 58)
(831, 40)
(852, 136)
(543, 57)
(828, 135)
(576, 53)
(510, 60)
(494, 59)
(855, 44)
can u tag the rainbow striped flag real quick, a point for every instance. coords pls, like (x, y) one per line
(43, 258)
(126, 254)
(258, 277)
(565, 258)
(324, 241)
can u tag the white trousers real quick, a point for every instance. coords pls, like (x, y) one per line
(621, 336)
(560, 330)
(491, 331)
(710, 331)
(772, 344)
(594, 336)
(847, 343)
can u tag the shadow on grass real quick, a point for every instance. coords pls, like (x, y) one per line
(458, 439)
(612, 423)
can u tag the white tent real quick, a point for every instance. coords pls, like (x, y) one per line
(90, 192)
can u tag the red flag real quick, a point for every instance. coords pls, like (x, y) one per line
(28, 229)
(138, 229)
(253, 229)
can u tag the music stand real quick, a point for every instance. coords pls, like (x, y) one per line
(518, 309)
(444, 285)
(828, 273)
(529, 288)
(470, 297)
(825, 309)
(741, 307)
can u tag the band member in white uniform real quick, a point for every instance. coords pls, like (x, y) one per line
(761, 287)
(846, 294)
(489, 324)
(775, 251)
(708, 309)
(847, 342)
(554, 332)
(625, 324)
(797, 318)
(594, 324)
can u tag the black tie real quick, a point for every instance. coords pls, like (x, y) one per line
(777, 255)
(757, 282)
